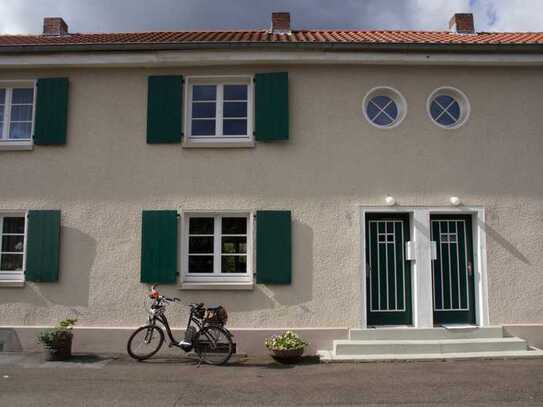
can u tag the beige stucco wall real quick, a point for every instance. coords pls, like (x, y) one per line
(334, 162)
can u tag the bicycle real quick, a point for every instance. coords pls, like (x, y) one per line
(205, 333)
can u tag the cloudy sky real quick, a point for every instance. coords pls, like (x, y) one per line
(25, 16)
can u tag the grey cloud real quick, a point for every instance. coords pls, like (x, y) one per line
(150, 15)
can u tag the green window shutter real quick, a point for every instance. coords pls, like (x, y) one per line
(159, 247)
(43, 245)
(271, 106)
(51, 111)
(273, 247)
(164, 109)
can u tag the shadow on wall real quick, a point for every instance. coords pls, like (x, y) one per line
(503, 242)
(9, 341)
(78, 251)
(491, 233)
(262, 297)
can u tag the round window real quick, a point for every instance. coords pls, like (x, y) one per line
(448, 108)
(384, 107)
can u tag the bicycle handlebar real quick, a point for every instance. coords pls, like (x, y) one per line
(156, 296)
(174, 299)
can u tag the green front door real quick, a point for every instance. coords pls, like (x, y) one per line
(388, 272)
(454, 289)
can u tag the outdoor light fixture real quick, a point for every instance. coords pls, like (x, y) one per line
(455, 201)
(390, 201)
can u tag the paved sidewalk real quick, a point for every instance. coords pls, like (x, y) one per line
(109, 380)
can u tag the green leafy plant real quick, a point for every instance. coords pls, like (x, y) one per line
(52, 338)
(287, 341)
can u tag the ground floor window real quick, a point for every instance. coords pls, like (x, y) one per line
(217, 247)
(16, 112)
(12, 246)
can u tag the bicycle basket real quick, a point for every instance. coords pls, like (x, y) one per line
(217, 315)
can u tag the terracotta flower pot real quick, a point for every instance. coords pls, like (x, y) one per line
(287, 355)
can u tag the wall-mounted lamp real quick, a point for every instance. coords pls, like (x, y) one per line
(390, 200)
(455, 201)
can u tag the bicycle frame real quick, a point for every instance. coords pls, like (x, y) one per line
(164, 321)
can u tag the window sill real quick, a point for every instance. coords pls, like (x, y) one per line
(12, 283)
(219, 285)
(15, 145)
(187, 143)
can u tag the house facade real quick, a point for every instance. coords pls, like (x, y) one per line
(311, 180)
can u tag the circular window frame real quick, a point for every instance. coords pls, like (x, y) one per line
(395, 95)
(461, 99)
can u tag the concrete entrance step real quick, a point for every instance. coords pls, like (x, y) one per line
(404, 333)
(406, 343)
(330, 357)
(425, 346)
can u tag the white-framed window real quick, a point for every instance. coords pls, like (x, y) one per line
(13, 233)
(17, 107)
(217, 247)
(448, 107)
(219, 110)
(384, 107)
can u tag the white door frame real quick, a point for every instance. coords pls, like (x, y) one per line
(421, 265)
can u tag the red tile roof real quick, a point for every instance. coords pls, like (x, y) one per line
(265, 37)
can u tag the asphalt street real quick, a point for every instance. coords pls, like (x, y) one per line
(106, 380)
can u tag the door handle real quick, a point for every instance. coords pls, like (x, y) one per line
(470, 269)
(433, 250)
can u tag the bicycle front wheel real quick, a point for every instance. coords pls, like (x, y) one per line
(145, 342)
(214, 345)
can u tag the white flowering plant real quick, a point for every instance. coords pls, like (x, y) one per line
(287, 341)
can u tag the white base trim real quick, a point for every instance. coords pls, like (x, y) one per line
(114, 339)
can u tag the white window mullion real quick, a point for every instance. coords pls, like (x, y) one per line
(7, 113)
(217, 252)
(24, 242)
(220, 108)
(5, 120)
(189, 110)
(1, 239)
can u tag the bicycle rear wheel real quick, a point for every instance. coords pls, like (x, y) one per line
(214, 345)
(145, 342)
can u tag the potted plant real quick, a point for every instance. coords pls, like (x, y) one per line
(287, 347)
(58, 341)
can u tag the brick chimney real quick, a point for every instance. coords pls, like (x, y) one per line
(462, 23)
(54, 26)
(280, 23)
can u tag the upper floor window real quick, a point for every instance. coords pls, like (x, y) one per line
(448, 107)
(16, 113)
(384, 107)
(219, 110)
